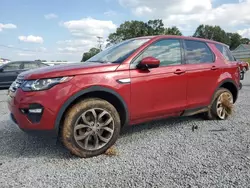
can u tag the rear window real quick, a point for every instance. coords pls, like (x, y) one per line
(198, 52)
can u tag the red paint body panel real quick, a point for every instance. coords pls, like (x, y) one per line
(51, 99)
(149, 94)
(157, 92)
(68, 70)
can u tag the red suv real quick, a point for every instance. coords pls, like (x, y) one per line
(138, 80)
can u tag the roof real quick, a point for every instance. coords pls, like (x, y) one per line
(247, 46)
(179, 37)
(244, 46)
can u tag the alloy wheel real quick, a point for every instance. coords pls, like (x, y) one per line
(220, 108)
(94, 129)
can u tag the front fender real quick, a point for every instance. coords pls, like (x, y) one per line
(83, 92)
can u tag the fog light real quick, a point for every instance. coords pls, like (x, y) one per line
(35, 111)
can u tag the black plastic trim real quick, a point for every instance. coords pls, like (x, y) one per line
(85, 91)
(13, 118)
(40, 133)
(194, 111)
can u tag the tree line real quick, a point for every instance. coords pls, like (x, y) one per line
(134, 28)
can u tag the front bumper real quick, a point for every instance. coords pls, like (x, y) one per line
(35, 112)
(33, 132)
(18, 104)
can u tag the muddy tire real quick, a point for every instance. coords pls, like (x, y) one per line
(90, 127)
(221, 106)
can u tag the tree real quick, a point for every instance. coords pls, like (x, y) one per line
(217, 34)
(155, 27)
(132, 29)
(173, 31)
(245, 41)
(204, 31)
(213, 33)
(235, 40)
(90, 53)
(127, 30)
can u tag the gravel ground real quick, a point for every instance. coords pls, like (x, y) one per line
(164, 153)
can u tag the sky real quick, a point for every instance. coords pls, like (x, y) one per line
(64, 30)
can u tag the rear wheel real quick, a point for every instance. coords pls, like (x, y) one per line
(221, 106)
(90, 127)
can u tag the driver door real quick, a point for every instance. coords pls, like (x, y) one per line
(159, 91)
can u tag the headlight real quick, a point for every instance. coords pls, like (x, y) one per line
(43, 84)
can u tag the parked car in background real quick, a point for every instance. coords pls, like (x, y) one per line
(9, 71)
(244, 66)
(135, 81)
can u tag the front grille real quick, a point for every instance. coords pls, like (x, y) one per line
(16, 84)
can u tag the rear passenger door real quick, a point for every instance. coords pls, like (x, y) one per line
(203, 73)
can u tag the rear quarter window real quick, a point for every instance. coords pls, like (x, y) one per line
(224, 50)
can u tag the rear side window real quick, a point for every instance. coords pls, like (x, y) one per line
(30, 65)
(198, 52)
(225, 52)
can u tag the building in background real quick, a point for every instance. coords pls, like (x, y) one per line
(242, 52)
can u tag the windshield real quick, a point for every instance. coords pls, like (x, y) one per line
(119, 52)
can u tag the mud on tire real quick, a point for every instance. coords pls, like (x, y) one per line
(226, 103)
(90, 127)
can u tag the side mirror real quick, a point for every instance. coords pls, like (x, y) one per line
(1, 69)
(149, 62)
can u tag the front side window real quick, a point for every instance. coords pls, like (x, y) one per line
(119, 52)
(12, 67)
(197, 52)
(168, 51)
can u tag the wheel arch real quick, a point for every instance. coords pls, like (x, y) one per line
(231, 86)
(95, 91)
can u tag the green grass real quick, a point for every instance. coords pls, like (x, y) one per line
(246, 60)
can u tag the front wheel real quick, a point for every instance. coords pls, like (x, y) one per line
(90, 127)
(221, 106)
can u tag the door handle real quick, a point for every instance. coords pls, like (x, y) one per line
(214, 68)
(179, 71)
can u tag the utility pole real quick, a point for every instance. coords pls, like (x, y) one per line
(100, 42)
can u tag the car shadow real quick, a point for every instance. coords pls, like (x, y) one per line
(4, 88)
(16, 144)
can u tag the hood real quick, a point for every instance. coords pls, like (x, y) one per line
(70, 69)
